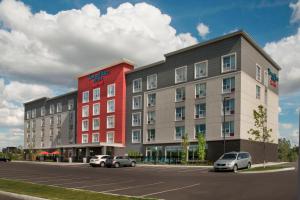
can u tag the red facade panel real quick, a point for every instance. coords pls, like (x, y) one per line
(101, 79)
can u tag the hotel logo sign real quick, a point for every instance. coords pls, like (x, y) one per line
(273, 80)
(98, 76)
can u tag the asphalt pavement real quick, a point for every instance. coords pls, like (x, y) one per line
(159, 182)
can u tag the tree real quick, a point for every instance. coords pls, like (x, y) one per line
(261, 133)
(185, 150)
(284, 146)
(201, 146)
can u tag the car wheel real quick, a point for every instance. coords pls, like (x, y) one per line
(117, 165)
(133, 164)
(102, 164)
(249, 165)
(235, 168)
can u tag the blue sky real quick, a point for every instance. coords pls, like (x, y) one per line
(273, 24)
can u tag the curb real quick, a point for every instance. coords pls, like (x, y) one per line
(20, 196)
(174, 166)
(268, 171)
(52, 163)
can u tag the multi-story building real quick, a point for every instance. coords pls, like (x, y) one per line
(101, 109)
(184, 94)
(148, 109)
(50, 123)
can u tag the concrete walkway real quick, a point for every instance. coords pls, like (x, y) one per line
(9, 195)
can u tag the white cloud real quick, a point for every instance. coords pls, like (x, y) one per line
(11, 138)
(286, 125)
(286, 52)
(12, 97)
(53, 48)
(203, 30)
(296, 11)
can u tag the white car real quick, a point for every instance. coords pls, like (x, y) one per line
(98, 160)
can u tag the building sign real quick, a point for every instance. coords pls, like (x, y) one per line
(98, 76)
(273, 78)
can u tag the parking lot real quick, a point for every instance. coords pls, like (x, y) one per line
(158, 182)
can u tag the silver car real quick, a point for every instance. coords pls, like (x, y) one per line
(233, 161)
(119, 161)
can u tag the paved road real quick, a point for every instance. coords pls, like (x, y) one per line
(160, 182)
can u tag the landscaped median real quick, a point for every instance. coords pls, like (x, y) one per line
(52, 192)
(269, 168)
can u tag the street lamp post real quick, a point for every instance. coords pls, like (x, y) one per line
(224, 139)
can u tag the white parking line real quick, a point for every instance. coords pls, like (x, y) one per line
(74, 182)
(126, 188)
(170, 190)
(34, 178)
(113, 183)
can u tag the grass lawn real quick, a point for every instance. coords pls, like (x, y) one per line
(267, 168)
(56, 193)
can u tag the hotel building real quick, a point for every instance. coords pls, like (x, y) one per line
(122, 109)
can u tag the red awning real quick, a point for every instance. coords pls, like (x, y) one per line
(43, 153)
(55, 153)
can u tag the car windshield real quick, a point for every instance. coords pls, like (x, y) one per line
(229, 156)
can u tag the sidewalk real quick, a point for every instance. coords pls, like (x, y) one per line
(51, 163)
(13, 196)
(268, 164)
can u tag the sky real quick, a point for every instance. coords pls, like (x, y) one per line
(45, 44)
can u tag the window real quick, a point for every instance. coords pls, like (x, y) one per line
(33, 113)
(179, 132)
(96, 109)
(181, 74)
(152, 81)
(85, 111)
(85, 125)
(137, 102)
(85, 97)
(96, 124)
(136, 136)
(27, 125)
(110, 137)
(95, 137)
(180, 94)
(137, 85)
(200, 69)
(28, 115)
(58, 107)
(200, 110)
(43, 111)
(111, 106)
(51, 110)
(151, 135)
(200, 129)
(70, 104)
(257, 92)
(200, 90)
(85, 138)
(228, 85)
(228, 128)
(58, 119)
(151, 99)
(136, 119)
(111, 90)
(228, 63)
(42, 123)
(110, 122)
(229, 106)
(51, 121)
(96, 94)
(180, 115)
(151, 117)
(258, 73)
